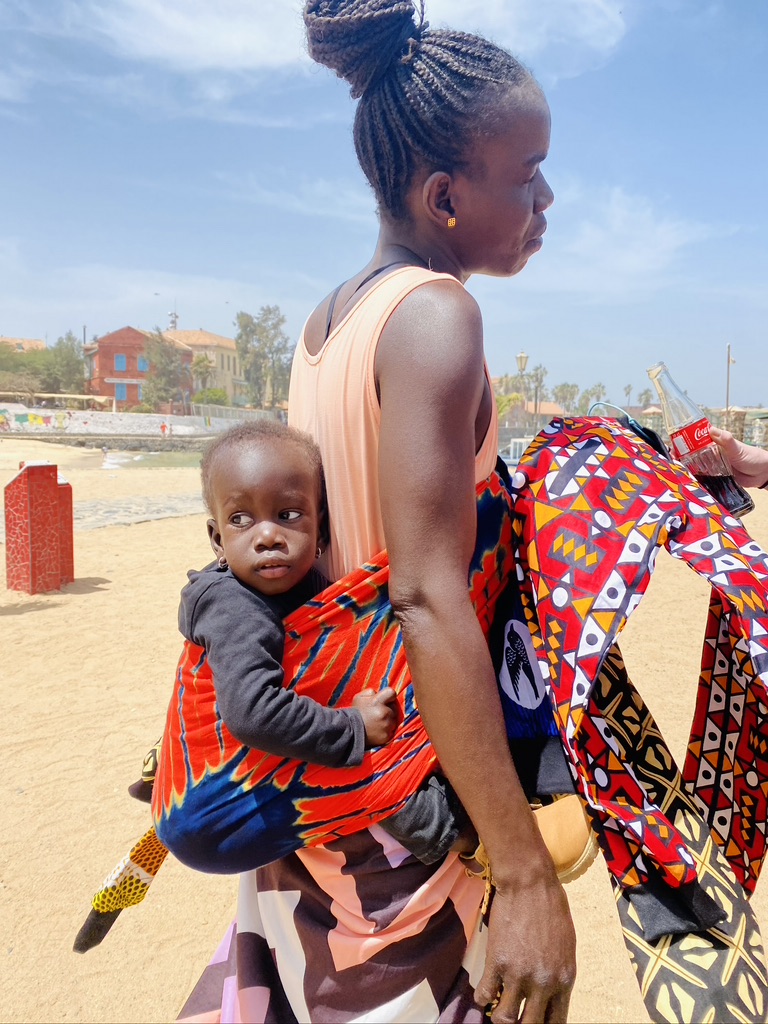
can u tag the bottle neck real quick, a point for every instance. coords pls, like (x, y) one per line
(677, 408)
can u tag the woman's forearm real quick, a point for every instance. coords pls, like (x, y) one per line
(457, 695)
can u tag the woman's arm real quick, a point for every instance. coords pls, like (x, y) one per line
(429, 368)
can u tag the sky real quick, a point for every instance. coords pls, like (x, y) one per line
(182, 155)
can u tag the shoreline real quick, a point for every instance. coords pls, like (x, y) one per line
(118, 442)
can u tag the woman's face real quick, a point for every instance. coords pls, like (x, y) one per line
(500, 197)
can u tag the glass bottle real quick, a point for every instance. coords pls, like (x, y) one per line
(688, 430)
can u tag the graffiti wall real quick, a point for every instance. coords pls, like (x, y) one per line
(18, 419)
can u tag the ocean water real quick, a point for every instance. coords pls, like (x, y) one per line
(150, 460)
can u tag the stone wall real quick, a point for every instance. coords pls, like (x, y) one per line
(18, 419)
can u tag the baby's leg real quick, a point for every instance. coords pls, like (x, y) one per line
(432, 823)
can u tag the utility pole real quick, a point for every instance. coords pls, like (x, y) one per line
(729, 363)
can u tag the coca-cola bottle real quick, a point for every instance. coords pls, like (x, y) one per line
(688, 430)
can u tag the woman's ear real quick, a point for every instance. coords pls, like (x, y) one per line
(215, 538)
(436, 198)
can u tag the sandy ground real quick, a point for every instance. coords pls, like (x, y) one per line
(87, 674)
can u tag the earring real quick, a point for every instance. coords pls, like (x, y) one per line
(222, 562)
(451, 222)
(318, 552)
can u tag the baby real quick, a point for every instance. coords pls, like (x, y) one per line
(263, 485)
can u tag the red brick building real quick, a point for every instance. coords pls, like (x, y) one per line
(117, 366)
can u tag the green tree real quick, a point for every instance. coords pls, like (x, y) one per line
(265, 353)
(588, 397)
(508, 403)
(211, 396)
(58, 369)
(11, 361)
(167, 374)
(536, 386)
(66, 370)
(22, 381)
(565, 395)
(203, 368)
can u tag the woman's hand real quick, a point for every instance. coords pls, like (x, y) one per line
(750, 464)
(516, 972)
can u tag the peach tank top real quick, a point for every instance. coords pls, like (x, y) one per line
(333, 397)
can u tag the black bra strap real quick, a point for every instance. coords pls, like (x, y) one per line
(363, 283)
(331, 306)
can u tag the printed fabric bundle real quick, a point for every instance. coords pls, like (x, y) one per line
(575, 536)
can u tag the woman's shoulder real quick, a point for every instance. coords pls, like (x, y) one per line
(406, 286)
(437, 319)
(440, 295)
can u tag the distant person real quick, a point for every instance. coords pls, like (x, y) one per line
(164, 428)
(263, 485)
(750, 464)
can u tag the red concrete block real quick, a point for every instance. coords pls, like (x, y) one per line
(66, 533)
(38, 530)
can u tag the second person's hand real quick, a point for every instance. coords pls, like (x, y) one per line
(750, 464)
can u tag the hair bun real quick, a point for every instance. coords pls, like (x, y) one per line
(358, 39)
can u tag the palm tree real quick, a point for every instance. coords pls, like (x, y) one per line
(203, 368)
(628, 393)
(644, 398)
(508, 404)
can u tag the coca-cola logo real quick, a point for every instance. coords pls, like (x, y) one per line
(702, 432)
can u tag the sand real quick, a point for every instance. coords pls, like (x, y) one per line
(87, 675)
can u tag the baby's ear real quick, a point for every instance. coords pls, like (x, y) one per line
(214, 536)
(323, 526)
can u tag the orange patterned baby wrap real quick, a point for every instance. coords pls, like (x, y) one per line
(222, 807)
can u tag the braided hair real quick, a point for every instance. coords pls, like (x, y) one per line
(421, 90)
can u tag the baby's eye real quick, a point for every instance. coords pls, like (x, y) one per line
(240, 519)
(290, 514)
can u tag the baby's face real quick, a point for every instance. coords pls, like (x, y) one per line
(267, 514)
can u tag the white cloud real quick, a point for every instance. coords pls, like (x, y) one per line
(608, 246)
(16, 82)
(337, 200)
(530, 27)
(105, 297)
(189, 35)
(250, 35)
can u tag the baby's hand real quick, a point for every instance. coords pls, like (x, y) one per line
(379, 715)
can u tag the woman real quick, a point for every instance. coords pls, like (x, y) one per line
(389, 377)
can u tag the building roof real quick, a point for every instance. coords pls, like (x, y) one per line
(170, 336)
(200, 339)
(545, 409)
(23, 344)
